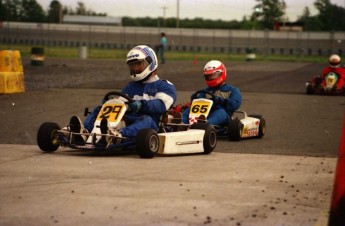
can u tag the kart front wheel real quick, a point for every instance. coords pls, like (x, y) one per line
(235, 130)
(210, 137)
(48, 137)
(147, 143)
(310, 89)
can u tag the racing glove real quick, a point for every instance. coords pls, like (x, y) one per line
(220, 100)
(134, 106)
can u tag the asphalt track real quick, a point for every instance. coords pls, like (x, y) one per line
(286, 178)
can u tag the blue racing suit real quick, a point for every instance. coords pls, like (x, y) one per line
(228, 99)
(156, 97)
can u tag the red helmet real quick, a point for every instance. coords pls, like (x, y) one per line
(214, 73)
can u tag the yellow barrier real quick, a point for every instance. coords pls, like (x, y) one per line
(11, 72)
(11, 82)
(10, 61)
(17, 62)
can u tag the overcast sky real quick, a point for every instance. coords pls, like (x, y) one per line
(207, 9)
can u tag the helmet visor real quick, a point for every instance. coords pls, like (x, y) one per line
(213, 75)
(334, 64)
(138, 66)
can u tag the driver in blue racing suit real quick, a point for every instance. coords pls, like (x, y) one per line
(152, 96)
(227, 97)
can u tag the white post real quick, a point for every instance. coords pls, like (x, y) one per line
(83, 52)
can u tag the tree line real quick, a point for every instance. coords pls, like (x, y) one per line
(266, 13)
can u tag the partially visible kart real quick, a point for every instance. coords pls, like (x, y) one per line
(329, 87)
(240, 125)
(196, 138)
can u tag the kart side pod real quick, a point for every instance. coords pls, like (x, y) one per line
(184, 142)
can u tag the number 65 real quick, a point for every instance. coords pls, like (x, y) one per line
(197, 108)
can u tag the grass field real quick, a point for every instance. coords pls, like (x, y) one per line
(96, 53)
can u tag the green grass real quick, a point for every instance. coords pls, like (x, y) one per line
(96, 53)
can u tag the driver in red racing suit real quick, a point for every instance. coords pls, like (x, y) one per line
(334, 66)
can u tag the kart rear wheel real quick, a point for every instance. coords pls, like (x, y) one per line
(262, 125)
(235, 130)
(210, 137)
(48, 137)
(147, 143)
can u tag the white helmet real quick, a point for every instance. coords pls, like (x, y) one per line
(334, 61)
(142, 61)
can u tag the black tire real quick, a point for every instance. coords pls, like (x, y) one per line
(310, 89)
(235, 129)
(147, 143)
(48, 137)
(262, 125)
(210, 137)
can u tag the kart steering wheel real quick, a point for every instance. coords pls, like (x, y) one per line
(205, 92)
(106, 98)
(116, 93)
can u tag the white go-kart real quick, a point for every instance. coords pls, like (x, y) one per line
(169, 139)
(240, 124)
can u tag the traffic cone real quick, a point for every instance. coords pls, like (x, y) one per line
(195, 62)
(337, 213)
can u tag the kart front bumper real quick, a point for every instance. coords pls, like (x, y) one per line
(98, 141)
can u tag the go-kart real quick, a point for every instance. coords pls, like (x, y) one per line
(196, 138)
(240, 124)
(329, 87)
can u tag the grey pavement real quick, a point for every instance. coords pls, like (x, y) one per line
(286, 178)
(80, 188)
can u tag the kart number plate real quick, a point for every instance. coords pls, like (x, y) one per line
(200, 107)
(111, 112)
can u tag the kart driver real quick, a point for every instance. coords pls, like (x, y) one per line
(152, 96)
(334, 66)
(227, 97)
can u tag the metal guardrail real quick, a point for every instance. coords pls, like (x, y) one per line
(180, 39)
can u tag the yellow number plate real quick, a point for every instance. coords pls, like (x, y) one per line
(200, 107)
(111, 112)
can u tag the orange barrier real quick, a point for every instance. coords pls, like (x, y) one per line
(337, 213)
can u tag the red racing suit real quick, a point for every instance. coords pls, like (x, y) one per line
(339, 71)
